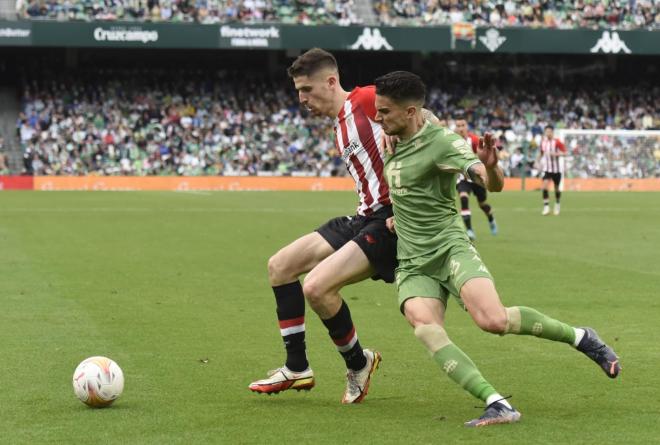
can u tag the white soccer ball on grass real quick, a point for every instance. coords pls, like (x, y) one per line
(98, 381)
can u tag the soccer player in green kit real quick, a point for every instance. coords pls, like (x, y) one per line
(436, 258)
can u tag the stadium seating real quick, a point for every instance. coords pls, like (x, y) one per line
(532, 13)
(618, 14)
(190, 127)
(187, 123)
(306, 12)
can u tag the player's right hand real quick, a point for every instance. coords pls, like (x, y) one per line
(486, 150)
(389, 223)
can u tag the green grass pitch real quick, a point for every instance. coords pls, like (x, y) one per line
(162, 282)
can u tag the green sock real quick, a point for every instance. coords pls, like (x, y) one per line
(527, 321)
(463, 371)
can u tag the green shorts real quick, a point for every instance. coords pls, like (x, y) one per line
(440, 273)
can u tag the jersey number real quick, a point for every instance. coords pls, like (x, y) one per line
(394, 174)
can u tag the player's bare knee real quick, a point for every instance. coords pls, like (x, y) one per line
(279, 271)
(418, 318)
(273, 269)
(314, 291)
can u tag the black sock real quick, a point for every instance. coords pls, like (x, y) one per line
(341, 330)
(546, 197)
(465, 212)
(488, 211)
(557, 196)
(291, 316)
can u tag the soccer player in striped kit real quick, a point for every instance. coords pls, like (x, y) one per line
(551, 152)
(346, 249)
(466, 186)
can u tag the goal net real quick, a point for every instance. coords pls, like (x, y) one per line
(611, 153)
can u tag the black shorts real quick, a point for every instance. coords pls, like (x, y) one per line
(371, 234)
(470, 187)
(556, 177)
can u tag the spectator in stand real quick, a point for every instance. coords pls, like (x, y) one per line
(617, 14)
(307, 12)
(4, 168)
(185, 123)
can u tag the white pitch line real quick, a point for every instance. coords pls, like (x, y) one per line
(193, 192)
(584, 209)
(74, 210)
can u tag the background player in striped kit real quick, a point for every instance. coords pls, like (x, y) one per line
(466, 186)
(346, 249)
(551, 152)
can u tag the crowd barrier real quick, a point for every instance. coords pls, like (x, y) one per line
(259, 183)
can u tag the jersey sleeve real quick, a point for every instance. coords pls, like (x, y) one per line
(366, 97)
(453, 153)
(560, 145)
(474, 139)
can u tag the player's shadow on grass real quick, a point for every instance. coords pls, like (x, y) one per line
(310, 401)
(114, 407)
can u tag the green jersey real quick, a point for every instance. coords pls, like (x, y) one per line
(422, 180)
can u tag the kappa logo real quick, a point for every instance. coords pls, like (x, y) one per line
(450, 366)
(610, 43)
(492, 40)
(454, 266)
(371, 39)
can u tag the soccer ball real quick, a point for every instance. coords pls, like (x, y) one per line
(98, 381)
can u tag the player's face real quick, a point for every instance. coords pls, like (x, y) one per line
(461, 127)
(549, 133)
(392, 117)
(316, 92)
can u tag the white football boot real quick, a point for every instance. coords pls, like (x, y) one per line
(282, 379)
(357, 382)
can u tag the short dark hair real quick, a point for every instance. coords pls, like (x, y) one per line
(550, 127)
(401, 86)
(311, 62)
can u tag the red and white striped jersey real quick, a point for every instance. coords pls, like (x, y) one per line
(473, 141)
(358, 140)
(552, 164)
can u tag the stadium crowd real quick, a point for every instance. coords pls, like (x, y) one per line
(306, 12)
(193, 127)
(230, 124)
(620, 14)
(613, 156)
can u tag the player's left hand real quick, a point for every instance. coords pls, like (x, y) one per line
(486, 151)
(389, 223)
